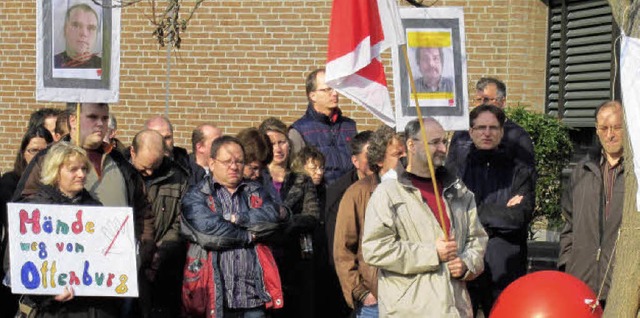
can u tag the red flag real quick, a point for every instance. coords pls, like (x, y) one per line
(360, 31)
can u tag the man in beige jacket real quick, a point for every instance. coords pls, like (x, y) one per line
(357, 279)
(420, 273)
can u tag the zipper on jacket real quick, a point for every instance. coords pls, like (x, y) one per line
(598, 254)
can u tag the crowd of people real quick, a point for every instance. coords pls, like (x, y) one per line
(315, 219)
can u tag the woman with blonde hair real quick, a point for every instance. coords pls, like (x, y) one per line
(63, 178)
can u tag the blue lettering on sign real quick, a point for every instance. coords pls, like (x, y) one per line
(30, 276)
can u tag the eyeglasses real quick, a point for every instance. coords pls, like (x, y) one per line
(483, 128)
(328, 90)
(228, 163)
(33, 151)
(606, 129)
(485, 100)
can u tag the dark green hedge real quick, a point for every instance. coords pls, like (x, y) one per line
(553, 148)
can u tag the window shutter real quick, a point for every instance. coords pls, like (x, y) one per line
(579, 59)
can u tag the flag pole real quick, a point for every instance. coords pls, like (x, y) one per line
(77, 136)
(423, 132)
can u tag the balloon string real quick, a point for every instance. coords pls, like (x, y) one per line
(595, 303)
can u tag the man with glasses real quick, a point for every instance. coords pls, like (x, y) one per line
(424, 258)
(504, 194)
(227, 215)
(592, 205)
(324, 127)
(516, 141)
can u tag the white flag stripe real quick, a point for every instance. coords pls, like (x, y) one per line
(391, 23)
(370, 94)
(351, 62)
(341, 70)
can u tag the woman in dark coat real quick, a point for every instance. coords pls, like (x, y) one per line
(34, 140)
(63, 179)
(294, 252)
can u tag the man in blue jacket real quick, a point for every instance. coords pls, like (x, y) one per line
(228, 216)
(323, 126)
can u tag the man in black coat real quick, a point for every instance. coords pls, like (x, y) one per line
(515, 140)
(505, 196)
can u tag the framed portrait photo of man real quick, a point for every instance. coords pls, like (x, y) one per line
(78, 51)
(433, 75)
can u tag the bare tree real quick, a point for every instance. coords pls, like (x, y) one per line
(168, 24)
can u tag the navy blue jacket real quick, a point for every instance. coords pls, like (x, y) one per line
(258, 215)
(331, 138)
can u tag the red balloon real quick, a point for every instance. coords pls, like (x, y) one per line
(546, 294)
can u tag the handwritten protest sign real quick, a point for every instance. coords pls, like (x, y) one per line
(91, 249)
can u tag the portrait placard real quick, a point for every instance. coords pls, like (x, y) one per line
(91, 249)
(437, 58)
(77, 51)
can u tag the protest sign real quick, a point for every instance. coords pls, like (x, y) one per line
(91, 249)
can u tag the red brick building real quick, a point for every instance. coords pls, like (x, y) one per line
(243, 61)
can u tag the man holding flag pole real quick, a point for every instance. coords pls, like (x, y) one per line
(425, 251)
(360, 31)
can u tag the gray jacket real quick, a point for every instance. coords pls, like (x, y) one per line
(587, 240)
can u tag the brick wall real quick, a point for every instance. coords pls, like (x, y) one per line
(242, 61)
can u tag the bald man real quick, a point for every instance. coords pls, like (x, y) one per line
(162, 125)
(166, 183)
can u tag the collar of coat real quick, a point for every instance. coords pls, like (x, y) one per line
(446, 178)
(335, 115)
